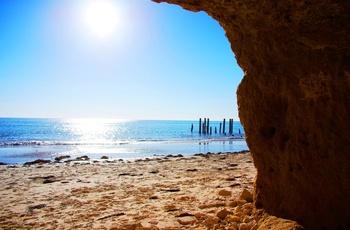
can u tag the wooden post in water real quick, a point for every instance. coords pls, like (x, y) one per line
(208, 126)
(192, 128)
(223, 126)
(200, 125)
(220, 127)
(210, 130)
(215, 130)
(205, 126)
(231, 126)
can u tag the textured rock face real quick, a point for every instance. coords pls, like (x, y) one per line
(294, 102)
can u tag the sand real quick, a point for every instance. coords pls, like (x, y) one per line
(209, 191)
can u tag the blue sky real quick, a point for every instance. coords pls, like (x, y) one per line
(157, 61)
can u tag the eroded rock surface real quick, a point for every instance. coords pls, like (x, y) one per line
(294, 102)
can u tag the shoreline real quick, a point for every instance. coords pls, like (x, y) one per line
(26, 153)
(171, 192)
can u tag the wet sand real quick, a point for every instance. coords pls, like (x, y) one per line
(209, 191)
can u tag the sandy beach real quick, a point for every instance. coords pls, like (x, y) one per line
(206, 191)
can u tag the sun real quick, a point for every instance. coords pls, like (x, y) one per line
(101, 17)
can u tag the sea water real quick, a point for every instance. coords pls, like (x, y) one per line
(27, 139)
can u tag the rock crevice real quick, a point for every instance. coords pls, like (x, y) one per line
(293, 102)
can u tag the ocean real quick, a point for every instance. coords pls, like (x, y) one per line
(28, 139)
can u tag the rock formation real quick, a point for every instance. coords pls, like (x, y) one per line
(294, 102)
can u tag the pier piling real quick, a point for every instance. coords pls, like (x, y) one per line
(206, 129)
(200, 125)
(208, 126)
(223, 126)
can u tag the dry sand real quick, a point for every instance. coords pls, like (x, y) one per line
(199, 192)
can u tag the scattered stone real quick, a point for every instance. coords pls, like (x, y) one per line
(233, 203)
(200, 216)
(183, 214)
(248, 206)
(201, 155)
(124, 174)
(240, 214)
(187, 220)
(230, 179)
(223, 213)
(167, 224)
(224, 192)
(233, 165)
(241, 202)
(112, 215)
(246, 195)
(154, 171)
(233, 218)
(39, 206)
(172, 210)
(247, 211)
(39, 161)
(212, 205)
(104, 158)
(2, 163)
(191, 170)
(235, 185)
(210, 222)
(171, 190)
(148, 226)
(153, 198)
(58, 159)
(49, 180)
(83, 158)
(238, 209)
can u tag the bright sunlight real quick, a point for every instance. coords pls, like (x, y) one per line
(101, 17)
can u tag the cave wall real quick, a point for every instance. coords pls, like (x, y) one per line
(294, 102)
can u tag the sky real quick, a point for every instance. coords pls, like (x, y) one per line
(114, 59)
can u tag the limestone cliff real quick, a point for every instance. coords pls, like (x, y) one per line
(294, 102)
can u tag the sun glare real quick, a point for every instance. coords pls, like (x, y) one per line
(101, 17)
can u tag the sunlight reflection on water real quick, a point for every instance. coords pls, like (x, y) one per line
(30, 139)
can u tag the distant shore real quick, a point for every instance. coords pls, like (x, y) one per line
(172, 192)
